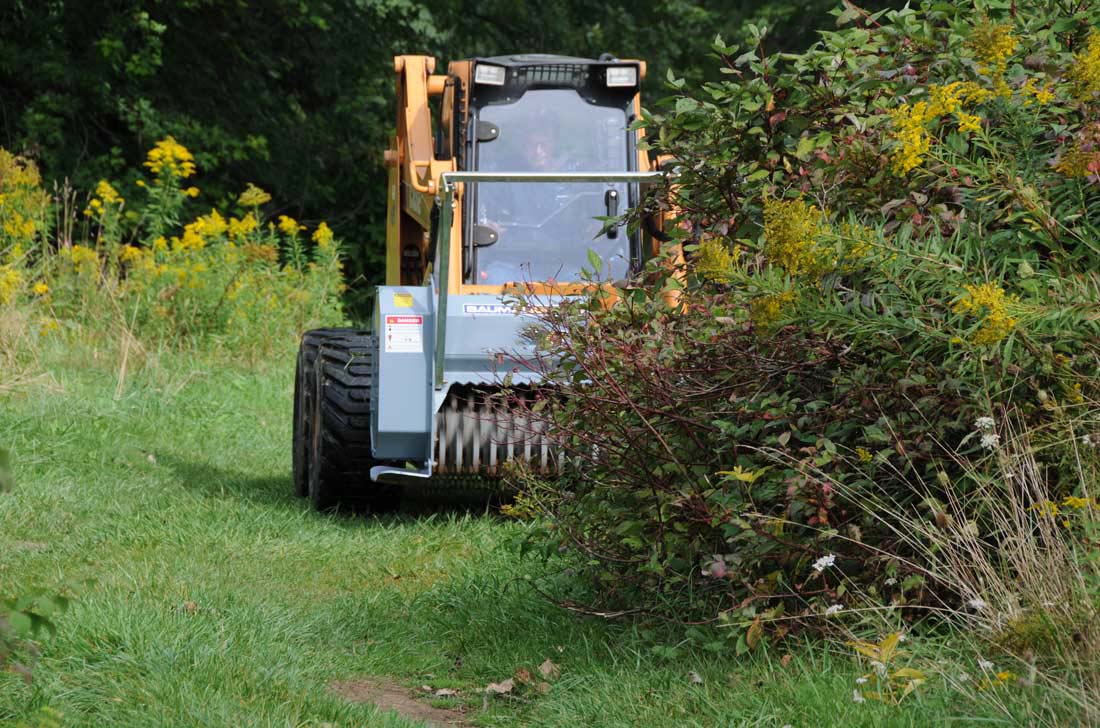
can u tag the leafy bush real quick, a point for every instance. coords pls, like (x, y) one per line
(235, 279)
(891, 244)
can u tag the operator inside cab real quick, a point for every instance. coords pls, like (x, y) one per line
(526, 231)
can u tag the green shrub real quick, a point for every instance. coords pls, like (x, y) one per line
(891, 248)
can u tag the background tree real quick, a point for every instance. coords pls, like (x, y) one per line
(297, 96)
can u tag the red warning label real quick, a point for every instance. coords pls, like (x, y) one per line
(404, 334)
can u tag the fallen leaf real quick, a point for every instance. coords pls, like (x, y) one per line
(523, 676)
(190, 607)
(445, 692)
(501, 688)
(426, 688)
(543, 687)
(696, 678)
(549, 669)
(785, 660)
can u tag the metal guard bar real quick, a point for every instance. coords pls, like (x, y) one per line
(446, 213)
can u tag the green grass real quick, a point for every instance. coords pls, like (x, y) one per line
(207, 594)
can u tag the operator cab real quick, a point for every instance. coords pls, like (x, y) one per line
(548, 114)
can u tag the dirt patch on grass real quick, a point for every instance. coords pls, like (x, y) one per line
(389, 695)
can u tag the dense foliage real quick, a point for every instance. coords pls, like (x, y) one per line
(892, 262)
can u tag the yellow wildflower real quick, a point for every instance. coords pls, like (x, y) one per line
(969, 122)
(191, 192)
(18, 227)
(1046, 508)
(80, 255)
(253, 196)
(107, 193)
(714, 261)
(792, 231)
(1084, 74)
(1076, 503)
(766, 310)
(169, 158)
(161, 243)
(289, 225)
(863, 454)
(10, 280)
(129, 254)
(913, 140)
(988, 302)
(323, 235)
(993, 45)
(40, 289)
(242, 228)
(1082, 157)
(943, 100)
(47, 326)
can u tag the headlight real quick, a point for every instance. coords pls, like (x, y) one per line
(489, 75)
(618, 76)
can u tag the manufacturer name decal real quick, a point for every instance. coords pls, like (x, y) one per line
(488, 309)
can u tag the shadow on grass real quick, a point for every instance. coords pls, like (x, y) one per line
(223, 483)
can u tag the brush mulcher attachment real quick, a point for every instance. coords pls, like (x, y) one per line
(501, 177)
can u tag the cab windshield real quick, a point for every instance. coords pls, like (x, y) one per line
(543, 231)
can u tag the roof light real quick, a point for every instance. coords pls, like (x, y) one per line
(618, 76)
(489, 75)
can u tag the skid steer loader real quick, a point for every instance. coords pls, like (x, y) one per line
(498, 177)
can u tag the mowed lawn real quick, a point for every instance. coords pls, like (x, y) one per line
(206, 594)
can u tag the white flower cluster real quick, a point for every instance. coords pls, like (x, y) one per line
(824, 563)
(990, 439)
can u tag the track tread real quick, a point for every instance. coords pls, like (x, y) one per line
(337, 365)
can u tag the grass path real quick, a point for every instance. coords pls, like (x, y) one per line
(207, 595)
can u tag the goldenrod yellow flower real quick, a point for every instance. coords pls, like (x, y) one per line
(969, 122)
(18, 227)
(714, 260)
(41, 289)
(323, 235)
(1084, 74)
(107, 193)
(766, 310)
(289, 225)
(792, 230)
(253, 196)
(993, 46)
(913, 140)
(10, 280)
(80, 254)
(239, 229)
(170, 158)
(191, 192)
(989, 303)
(1076, 503)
